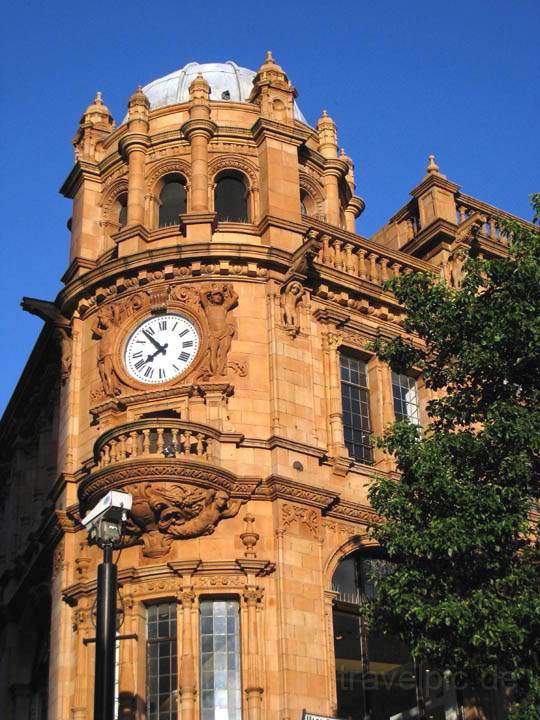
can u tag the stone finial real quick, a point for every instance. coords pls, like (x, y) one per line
(350, 173)
(432, 167)
(139, 99)
(249, 538)
(199, 88)
(97, 113)
(326, 128)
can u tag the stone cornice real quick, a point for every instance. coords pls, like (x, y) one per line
(264, 128)
(434, 180)
(279, 442)
(437, 232)
(277, 487)
(82, 170)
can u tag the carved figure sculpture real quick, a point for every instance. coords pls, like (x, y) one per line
(161, 513)
(105, 330)
(217, 302)
(290, 299)
(64, 342)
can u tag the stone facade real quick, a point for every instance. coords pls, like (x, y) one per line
(260, 498)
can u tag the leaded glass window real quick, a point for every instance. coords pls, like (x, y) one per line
(405, 398)
(161, 655)
(355, 406)
(220, 660)
(231, 197)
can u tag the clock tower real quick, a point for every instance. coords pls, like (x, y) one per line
(209, 353)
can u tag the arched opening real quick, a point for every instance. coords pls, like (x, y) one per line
(307, 204)
(172, 200)
(231, 197)
(121, 207)
(376, 677)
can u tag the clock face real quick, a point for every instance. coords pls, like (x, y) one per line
(161, 348)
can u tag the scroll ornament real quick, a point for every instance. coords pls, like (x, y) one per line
(166, 512)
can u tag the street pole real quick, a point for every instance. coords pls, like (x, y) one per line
(105, 636)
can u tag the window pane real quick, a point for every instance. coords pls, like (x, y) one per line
(405, 398)
(172, 203)
(161, 665)
(231, 200)
(220, 660)
(355, 407)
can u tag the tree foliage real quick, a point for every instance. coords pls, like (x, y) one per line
(460, 520)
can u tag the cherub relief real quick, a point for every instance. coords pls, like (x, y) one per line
(105, 329)
(290, 299)
(161, 513)
(217, 302)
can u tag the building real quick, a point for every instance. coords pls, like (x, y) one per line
(209, 353)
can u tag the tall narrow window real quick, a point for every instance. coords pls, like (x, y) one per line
(220, 660)
(230, 198)
(161, 668)
(355, 404)
(172, 201)
(405, 398)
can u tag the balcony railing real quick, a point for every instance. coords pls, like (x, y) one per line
(156, 437)
(365, 260)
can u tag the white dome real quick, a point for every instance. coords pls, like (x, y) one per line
(228, 81)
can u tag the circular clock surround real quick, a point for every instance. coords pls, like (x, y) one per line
(160, 348)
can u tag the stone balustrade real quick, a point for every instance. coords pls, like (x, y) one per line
(156, 437)
(363, 261)
(488, 228)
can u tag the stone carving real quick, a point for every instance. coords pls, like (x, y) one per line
(64, 342)
(163, 513)
(249, 538)
(104, 330)
(291, 297)
(306, 517)
(217, 301)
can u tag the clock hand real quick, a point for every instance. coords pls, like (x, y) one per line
(158, 351)
(154, 342)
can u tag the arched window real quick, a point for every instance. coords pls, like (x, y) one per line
(231, 197)
(375, 674)
(121, 205)
(172, 200)
(307, 204)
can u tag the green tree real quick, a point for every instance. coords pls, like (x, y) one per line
(459, 522)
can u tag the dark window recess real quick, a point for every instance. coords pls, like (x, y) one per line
(355, 404)
(162, 662)
(172, 201)
(231, 199)
(122, 209)
(374, 673)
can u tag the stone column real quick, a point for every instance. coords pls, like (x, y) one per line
(198, 130)
(187, 681)
(127, 679)
(331, 342)
(328, 148)
(253, 596)
(83, 630)
(134, 144)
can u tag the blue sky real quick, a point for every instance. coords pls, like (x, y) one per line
(401, 80)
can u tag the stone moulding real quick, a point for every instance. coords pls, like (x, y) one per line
(167, 470)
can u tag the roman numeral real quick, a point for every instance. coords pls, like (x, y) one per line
(137, 354)
(140, 341)
(161, 373)
(139, 364)
(175, 324)
(176, 368)
(149, 372)
(187, 343)
(184, 332)
(150, 330)
(162, 324)
(183, 356)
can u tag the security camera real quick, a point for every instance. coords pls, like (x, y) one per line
(104, 521)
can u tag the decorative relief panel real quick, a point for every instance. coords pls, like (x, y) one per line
(307, 519)
(163, 513)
